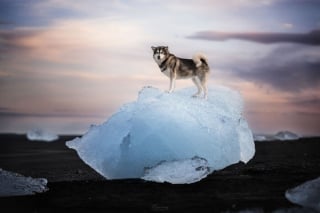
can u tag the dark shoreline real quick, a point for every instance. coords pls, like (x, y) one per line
(75, 187)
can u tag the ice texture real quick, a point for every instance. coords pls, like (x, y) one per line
(306, 194)
(178, 171)
(168, 127)
(13, 184)
(41, 135)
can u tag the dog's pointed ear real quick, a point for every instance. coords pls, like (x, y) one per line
(166, 48)
(153, 48)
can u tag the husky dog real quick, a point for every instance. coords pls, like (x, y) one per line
(196, 68)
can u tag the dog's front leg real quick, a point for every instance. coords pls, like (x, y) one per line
(172, 82)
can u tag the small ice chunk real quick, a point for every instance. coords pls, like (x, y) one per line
(280, 136)
(259, 137)
(41, 135)
(178, 171)
(13, 184)
(286, 135)
(306, 194)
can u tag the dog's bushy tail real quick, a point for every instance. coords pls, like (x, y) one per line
(200, 59)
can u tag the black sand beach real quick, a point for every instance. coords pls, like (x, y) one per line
(75, 187)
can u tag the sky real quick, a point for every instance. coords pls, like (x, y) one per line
(65, 65)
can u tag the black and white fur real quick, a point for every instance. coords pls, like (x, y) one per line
(196, 68)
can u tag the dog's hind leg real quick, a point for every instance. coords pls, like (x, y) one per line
(203, 81)
(196, 81)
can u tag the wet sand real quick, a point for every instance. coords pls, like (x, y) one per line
(75, 187)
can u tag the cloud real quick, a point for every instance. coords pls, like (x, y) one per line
(306, 103)
(11, 40)
(313, 101)
(292, 68)
(101, 6)
(70, 34)
(86, 44)
(311, 38)
(5, 22)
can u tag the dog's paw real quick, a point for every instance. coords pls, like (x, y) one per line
(169, 91)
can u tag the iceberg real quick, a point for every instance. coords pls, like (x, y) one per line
(13, 184)
(41, 135)
(306, 194)
(173, 128)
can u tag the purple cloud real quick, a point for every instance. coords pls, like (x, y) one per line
(5, 22)
(311, 38)
(9, 39)
(291, 68)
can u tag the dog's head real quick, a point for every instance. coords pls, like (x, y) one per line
(160, 53)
